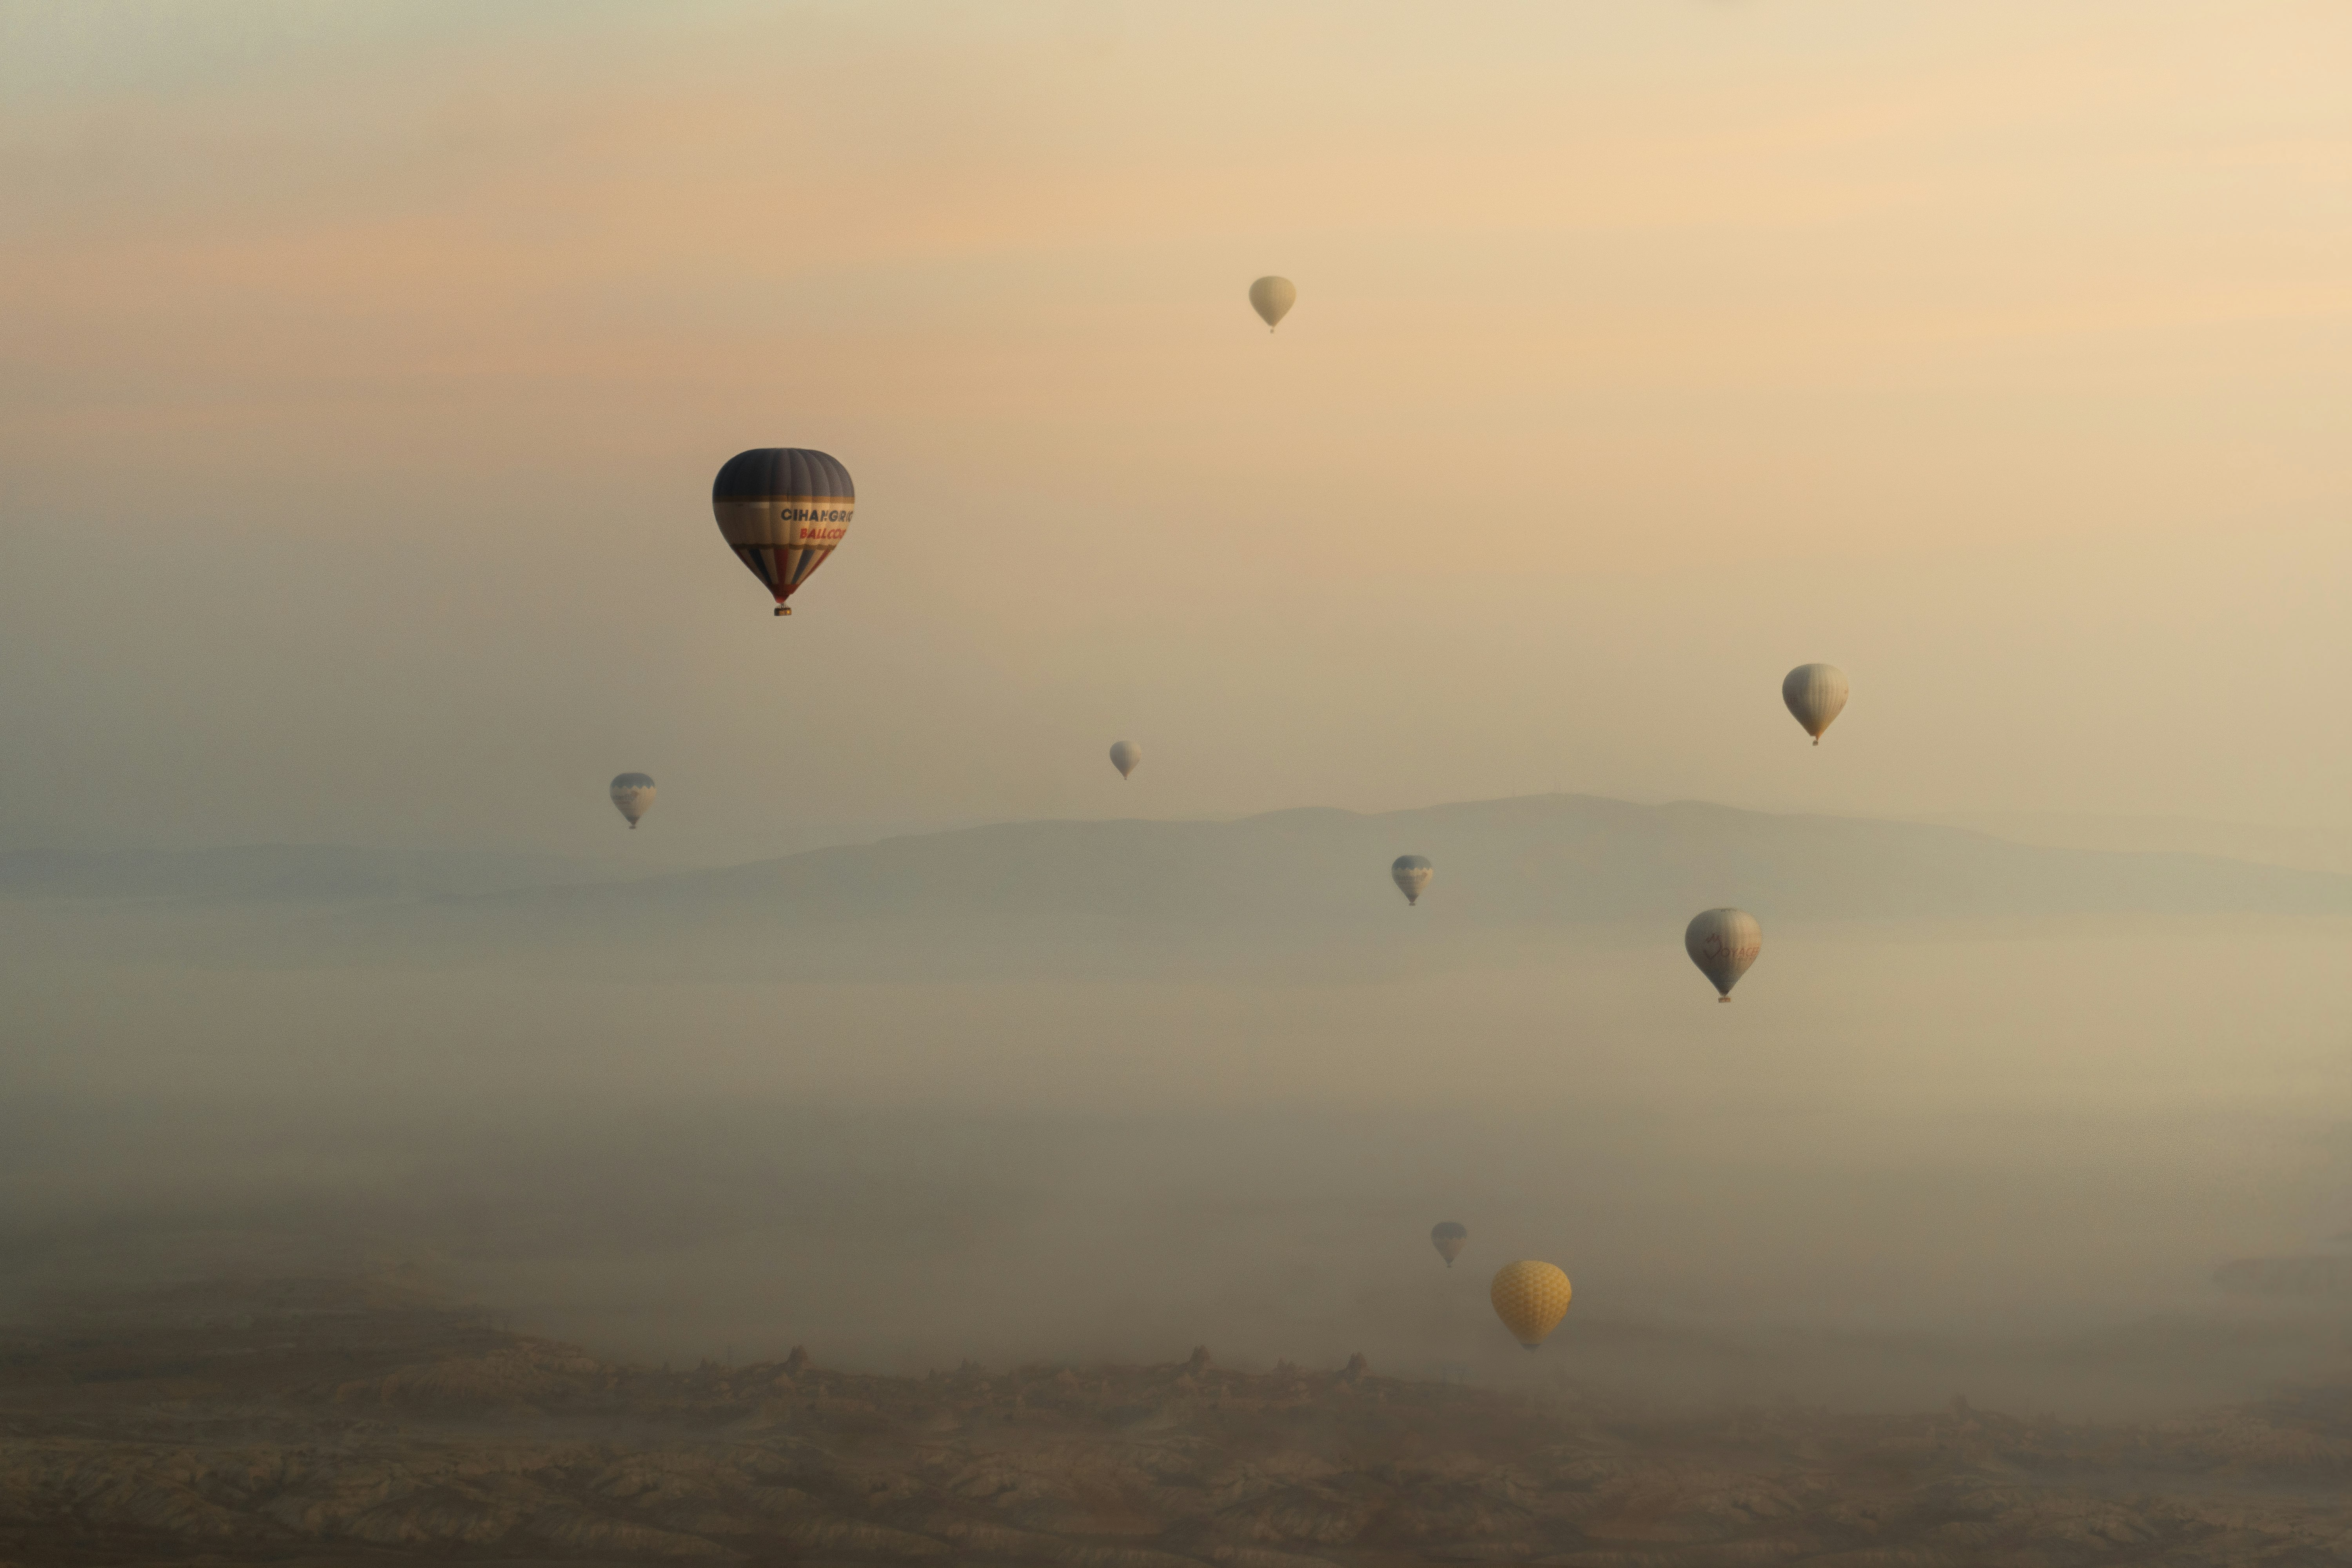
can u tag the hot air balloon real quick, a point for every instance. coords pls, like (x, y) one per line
(634, 794)
(782, 509)
(1272, 297)
(1531, 1299)
(1815, 693)
(1412, 873)
(1723, 944)
(1124, 755)
(1448, 1236)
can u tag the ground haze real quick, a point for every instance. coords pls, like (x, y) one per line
(1985, 1117)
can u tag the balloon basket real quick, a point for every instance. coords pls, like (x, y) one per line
(783, 609)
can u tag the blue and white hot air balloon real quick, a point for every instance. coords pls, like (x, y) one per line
(633, 796)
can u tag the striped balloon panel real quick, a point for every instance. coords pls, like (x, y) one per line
(766, 472)
(781, 568)
(782, 541)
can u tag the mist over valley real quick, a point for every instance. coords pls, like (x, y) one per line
(1984, 1115)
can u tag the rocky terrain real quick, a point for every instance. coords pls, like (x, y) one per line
(322, 1422)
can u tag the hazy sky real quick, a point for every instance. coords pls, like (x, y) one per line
(366, 366)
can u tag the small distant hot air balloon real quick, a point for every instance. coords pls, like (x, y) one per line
(1272, 297)
(1531, 1299)
(782, 509)
(1816, 694)
(632, 793)
(1723, 944)
(1412, 873)
(1124, 755)
(1448, 1236)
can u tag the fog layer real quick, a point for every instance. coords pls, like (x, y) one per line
(2003, 1151)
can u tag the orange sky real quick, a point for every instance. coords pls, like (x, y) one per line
(369, 364)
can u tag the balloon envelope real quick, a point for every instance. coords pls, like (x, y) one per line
(1723, 944)
(1412, 873)
(782, 509)
(1272, 297)
(1816, 694)
(1531, 1299)
(633, 795)
(1124, 755)
(1449, 1237)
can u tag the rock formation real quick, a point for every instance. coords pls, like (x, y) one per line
(305, 1426)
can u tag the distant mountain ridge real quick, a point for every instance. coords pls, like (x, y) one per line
(1134, 896)
(2309, 849)
(1537, 859)
(1131, 898)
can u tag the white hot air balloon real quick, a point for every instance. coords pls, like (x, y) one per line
(1412, 873)
(633, 796)
(1723, 944)
(1124, 755)
(1272, 297)
(1815, 693)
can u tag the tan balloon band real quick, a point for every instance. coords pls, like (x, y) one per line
(840, 503)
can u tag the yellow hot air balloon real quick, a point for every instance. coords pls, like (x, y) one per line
(1531, 1299)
